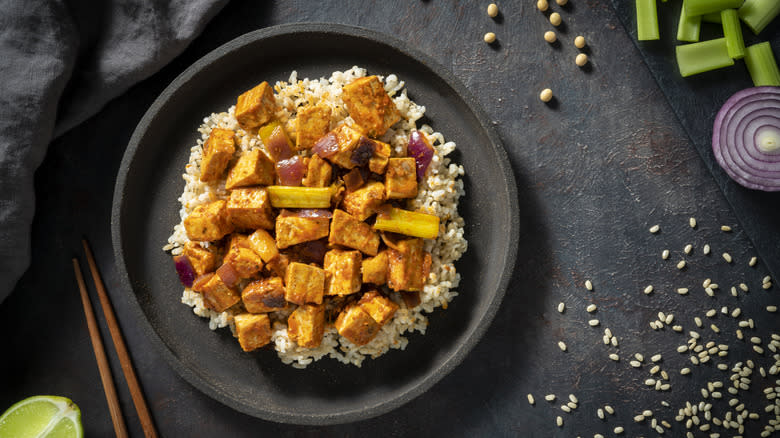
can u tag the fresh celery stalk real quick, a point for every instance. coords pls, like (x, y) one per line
(732, 31)
(410, 223)
(299, 197)
(761, 64)
(701, 7)
(757, 14)
(703, 56)
(689, 27)
(647, 20)
(712, 17)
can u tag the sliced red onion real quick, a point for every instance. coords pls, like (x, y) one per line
(228, 274)
(421, 150)
(326, 146)
(307, 212)
(363, 152)
(291, 171)
(746, 138)
(278, 145)
(184, 269)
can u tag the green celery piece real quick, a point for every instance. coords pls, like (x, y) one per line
(704, 56)
(761, 64)
(647, 20)
(712, 17)
(757, 14)
(701, 7)
(689, 27)
(732, 31)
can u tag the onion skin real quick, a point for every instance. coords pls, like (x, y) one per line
(421, 150)
(184, 269)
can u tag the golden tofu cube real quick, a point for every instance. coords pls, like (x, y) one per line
(264, 244)
(406, 266)
(375, 269)
(253, 331)
(292, 230)
(208, 222)
(401, 178)
(343, 268)
(363, 202)
(250, 208)
(252, 168)
(217, 151)
(318, 172)
(370, 106)
(304, 284)
(216, 294)
(278, 265)
(347, 139)
(244, 261)
(346, 230)
(265, 295)
(379, 307)
(306, 325)
(356, 325)
(312, 123)
(201, 259)
(256, 107)
(378, 161)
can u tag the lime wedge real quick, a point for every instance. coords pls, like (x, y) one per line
(42, 416)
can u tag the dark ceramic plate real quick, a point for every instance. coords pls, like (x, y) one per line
(146, 208)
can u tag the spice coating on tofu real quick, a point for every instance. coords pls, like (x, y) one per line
(304, 284)
(370, 106)
(306, 325)
(343, 272)
(357, 325)
(264, 295)
(217, 151)
(251, 169)
(256, 107)
(312, 123)
(250, 208)
(208, 222)
(253, 331)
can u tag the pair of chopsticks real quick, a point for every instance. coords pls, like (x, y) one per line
(121, 350)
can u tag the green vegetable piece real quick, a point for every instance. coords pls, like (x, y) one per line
(704, 56)
(410, 223)
(761, 64)
(712, 17)
(647, 20)
(757, 14)
(689, 27)
(732, 31)
(701, 7)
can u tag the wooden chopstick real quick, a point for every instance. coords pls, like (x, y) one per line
(121, 350)
(100, 355)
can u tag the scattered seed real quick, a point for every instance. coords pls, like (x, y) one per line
(546, 95)
(655, 228)
(635, 364)
(706, 283)
(706, 249)
(549, 397)
(697, 320)
(550, 37)
(682, 290)
(714, 328)
(609, 409)
(688, 248)
(639, 418)
(591, 308)
(772, 309)
(692, 222)
(753, 261)
(489, 37)
(562, 345)
(685, 371)
(573, 398)
(725, 228)
(743, 286)
(758, 349)
(614, 357)
(492, 10)
(559, 421)
(766, 286)
(766, 279)
(565, 408)
(593, 322)
(665, 254)
(681, 264)
(677, 328)
(531, 400)
(561, 2)
(656, 358)
(614, 341)
(711, 313)
(669, 319)
(733, 291)
(555, 19)
(618, 430)
(542, 5)
(561, 307)
(579, 42)
(736, 312)
(727, 257)
(648, 289)
(639, 357)
(682, 348)
(588, 285)
(581, 60)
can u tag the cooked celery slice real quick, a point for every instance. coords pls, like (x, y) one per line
(712, 17)
(761, 64)
(300, 197)
(701, 7)
(757, 14)
(646, 20)
(732, 31)
(410, 223)
(689, 27)
(703, 56)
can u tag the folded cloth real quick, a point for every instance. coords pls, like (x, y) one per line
(61, 62)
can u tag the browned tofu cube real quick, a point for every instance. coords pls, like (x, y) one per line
(244, 261)
(346, 230)
(318, 172)
(253, 331)
(256, 107)
(375, 269)
(406, 264)
(347, 139)
(265, 295)
(208, 222)
(343, 268)
(312, 123)
(217, 151)
(263, 244)
(250, 208)
(278, 265)
(370, 106)
(216, 294)
(401, 178)
(306, 325)
(292, 230)
(252, 168)
(379, 307)
(363, 202)
(356, 325)
(304, 284)
(201, 259)
(378, 161)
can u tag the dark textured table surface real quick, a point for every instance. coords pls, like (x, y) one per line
(594, 171)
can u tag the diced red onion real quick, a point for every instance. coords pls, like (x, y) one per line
(363, 152)
(184, 269)
(278, 145)
(228, 274)
(326, 146)
(307, 212)
(746, 138)
(421, 150)
(313, 251)
(291, 171)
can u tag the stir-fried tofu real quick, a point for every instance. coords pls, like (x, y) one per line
(278, 265)
(252, 168)
(253, 331)
(343, 272)
(318, 172)
(304, 284)
(306, 325)
(312, 123)
(363, 202)
(378, 161)
(370, 106)
(256, 106)
(201, 259)
(379, 307)
(347, 139)
(208, 222)
(263, 244)
(292, 230)
(250, 208)
(375, 269)
(244, 261)
(216, 295)
(265, 295)
(401, 178)
(217, 151)
(406, 265)
(346, 230)
(356, 325)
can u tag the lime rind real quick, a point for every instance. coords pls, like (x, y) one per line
(42, 416)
